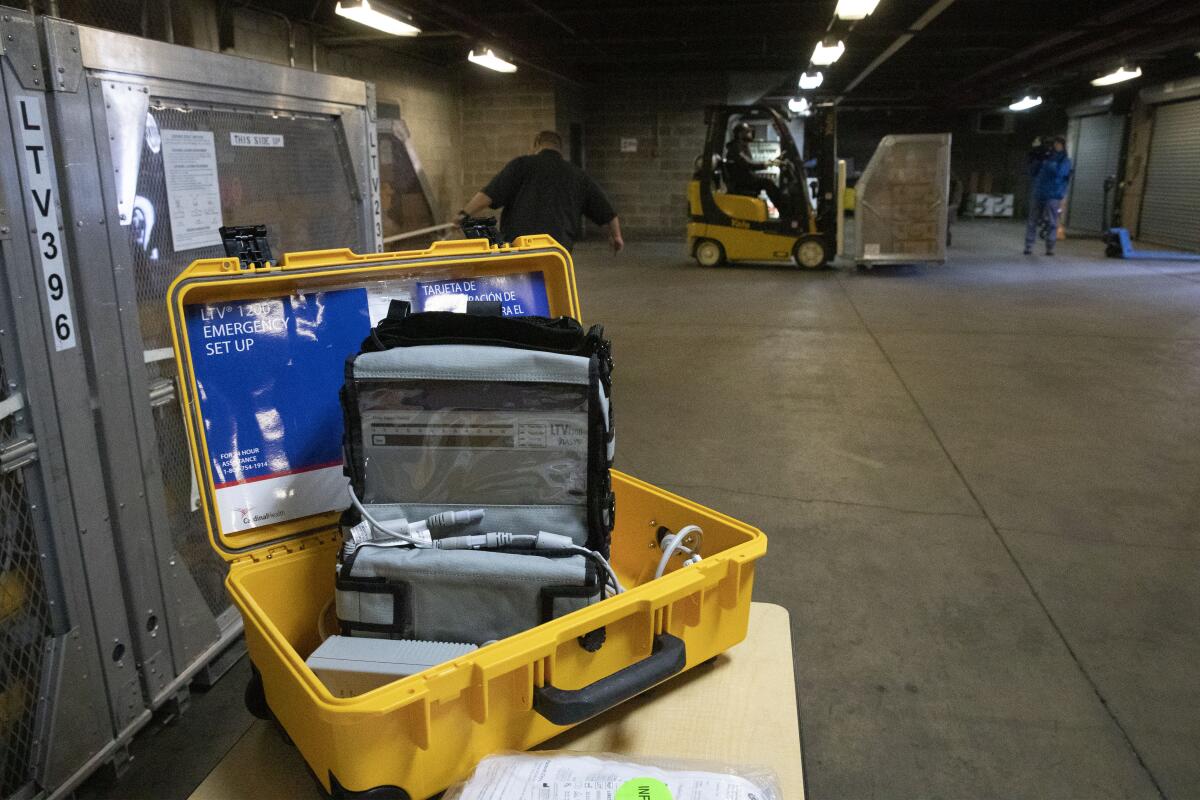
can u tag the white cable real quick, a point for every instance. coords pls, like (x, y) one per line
(484, 541)
(379, 526)
(673, 543)
(603, 562)
(445, 519)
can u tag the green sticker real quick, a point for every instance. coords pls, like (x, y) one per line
(643, 789)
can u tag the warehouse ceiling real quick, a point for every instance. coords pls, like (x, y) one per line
(966, 53)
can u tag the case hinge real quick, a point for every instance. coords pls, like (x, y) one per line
(273, 551)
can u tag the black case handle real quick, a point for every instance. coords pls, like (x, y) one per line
(569, 706)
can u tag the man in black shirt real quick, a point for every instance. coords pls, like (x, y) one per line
(740, 166)
(545, 193)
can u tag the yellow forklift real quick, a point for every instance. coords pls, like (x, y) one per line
(725, 227)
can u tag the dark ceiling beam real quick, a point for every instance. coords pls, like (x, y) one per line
(1114, 17)
(593, 10)
(574, 34)
(387, 38)
(518, 51)
(683, 63)
(929, 16)
(1087, 52)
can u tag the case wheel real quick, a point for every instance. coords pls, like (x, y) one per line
(338, 792)
(256, 697)
(709, 253)
(811, 252)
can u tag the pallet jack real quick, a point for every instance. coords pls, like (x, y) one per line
(725, 227)
(1118, 244)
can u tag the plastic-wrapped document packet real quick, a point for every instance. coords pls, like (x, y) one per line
(577, 776)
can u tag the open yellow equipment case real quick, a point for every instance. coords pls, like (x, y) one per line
(412, 738)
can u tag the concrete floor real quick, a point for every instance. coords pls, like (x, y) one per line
(981, 483)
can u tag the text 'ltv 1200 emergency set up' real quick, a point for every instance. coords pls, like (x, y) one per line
(406, 459)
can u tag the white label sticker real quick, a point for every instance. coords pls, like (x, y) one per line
(40, 185)
(870, 249)
(256, 139)
(376, 206)
(629, 144)
(193, 192)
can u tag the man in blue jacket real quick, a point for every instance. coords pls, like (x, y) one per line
(1049, 172)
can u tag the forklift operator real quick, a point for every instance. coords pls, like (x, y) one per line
(739, 169)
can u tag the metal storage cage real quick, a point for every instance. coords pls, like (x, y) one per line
(70, 696)
(902, 198)
(158, 137)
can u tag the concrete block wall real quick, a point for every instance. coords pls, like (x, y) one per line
(648, 188)
(570, 108)
(501, 114)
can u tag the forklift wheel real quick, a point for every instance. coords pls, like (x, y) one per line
(709, 253)
(811, 252)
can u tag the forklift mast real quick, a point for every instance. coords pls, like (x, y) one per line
(823, 124)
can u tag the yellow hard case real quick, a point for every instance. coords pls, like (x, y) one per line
(412, 738)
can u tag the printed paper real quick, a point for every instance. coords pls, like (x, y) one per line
(268, 374)
(193, 191)
(561, 777)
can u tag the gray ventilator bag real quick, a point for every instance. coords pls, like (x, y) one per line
(450, 412)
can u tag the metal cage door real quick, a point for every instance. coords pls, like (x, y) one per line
(69, 687)
(293, 150)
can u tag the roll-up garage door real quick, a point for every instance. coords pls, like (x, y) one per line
(1097, 156)
(1171, 203)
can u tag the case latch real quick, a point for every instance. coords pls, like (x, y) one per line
(248, 243)
(482, 228)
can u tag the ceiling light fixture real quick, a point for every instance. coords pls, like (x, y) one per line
(828, 51)
(377, 16)
(492, 61)
(799, 105)
(811, 81)
(1025, 103)
(1120, 74)
(855, 9)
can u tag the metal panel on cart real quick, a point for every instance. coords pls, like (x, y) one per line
(167, 143)
(406, 200)
(69, 690)
(1171, 202)
(902, 199)
(1096, 156)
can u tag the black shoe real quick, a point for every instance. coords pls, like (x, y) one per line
(1027, 251)
(1049, 252)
